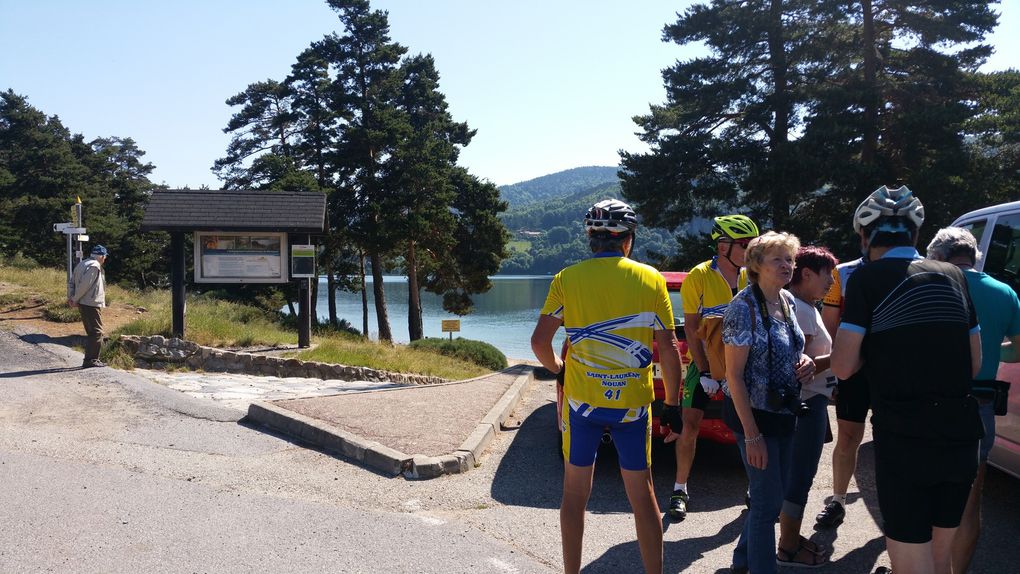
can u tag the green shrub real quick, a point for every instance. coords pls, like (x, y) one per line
(115, 355)
(477, 352)
(61, 313)
(20, 261)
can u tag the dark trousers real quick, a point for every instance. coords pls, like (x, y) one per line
(92, 318)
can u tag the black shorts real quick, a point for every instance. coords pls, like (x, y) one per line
(853, 399)
(920, 487)
(693, 396)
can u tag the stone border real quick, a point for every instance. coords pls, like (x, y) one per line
(158, 352)
(383, 458)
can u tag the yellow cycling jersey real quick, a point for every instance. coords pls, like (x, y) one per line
(706, 293)
(610, 307)
(840, 274)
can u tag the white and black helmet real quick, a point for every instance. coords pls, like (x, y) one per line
(610, 216)
(887, 204)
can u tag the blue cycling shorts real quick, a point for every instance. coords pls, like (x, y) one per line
(583, 427)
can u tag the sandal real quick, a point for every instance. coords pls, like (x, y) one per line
(813, 547)
(810, 559)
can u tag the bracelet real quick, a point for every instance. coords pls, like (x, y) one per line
(754, 440)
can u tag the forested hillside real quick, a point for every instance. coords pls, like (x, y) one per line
(548, 234)
(557, 185)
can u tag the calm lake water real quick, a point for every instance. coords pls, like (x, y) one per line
(504, 317)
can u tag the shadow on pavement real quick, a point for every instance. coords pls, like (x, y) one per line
(530, 474)
(16, 374)
(678, 556)
(65, 341)
(865, 557)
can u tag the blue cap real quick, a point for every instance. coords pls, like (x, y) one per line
(100, 250)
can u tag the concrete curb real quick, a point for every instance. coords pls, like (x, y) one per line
(383, 458)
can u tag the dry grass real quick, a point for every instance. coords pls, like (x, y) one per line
(217, 323)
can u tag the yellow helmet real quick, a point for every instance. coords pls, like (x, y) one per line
(734, 227)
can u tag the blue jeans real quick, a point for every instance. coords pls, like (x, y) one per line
(756, 547)
(807, 449)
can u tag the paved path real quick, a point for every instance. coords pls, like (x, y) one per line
(239, 391)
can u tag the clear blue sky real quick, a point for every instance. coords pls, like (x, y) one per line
(549, 85)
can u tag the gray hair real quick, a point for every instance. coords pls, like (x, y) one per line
(951, 242)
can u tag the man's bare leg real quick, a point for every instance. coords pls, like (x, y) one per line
(910, 558)
(849, 435)
(687, 443)
(647, 519)
(576, 491)
(970, 525)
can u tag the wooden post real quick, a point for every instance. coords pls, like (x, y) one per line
(177, 270)
(304, 314)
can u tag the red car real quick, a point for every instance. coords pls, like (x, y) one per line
(712, 426)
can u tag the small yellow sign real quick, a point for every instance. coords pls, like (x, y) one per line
(451, 325)
(76, 213)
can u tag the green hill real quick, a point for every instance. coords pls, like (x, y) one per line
(548, 235)
(556, 185)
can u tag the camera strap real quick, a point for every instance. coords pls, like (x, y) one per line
(767, 322)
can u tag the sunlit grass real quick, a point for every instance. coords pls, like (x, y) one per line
(351, 350)
(217, 323)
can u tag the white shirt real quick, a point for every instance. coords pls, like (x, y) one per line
(819, 342)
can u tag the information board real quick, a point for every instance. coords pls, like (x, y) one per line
(302, 261)
(228, 257)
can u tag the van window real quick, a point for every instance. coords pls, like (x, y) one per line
(976, 228)
(1002, 260)
(678, 309)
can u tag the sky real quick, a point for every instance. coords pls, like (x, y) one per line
(549, 84)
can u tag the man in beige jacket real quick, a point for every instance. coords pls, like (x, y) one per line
(89, 296)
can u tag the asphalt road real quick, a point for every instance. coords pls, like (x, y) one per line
(101, 471)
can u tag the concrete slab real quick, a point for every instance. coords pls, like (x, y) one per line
(421, 431)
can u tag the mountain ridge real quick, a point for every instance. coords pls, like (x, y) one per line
(558, 184)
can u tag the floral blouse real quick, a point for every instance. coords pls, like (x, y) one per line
(784, 337)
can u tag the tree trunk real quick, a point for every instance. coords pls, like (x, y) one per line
(331, 289)
(779, 160)
(364, 296)
(314, 310)
(869, 141)
(415, 330)
(381, 316)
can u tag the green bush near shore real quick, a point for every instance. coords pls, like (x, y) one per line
(477, 352)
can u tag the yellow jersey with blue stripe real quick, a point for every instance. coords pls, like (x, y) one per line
(706, 293)
(610, 307)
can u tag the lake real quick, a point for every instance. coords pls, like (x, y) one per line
(504, 317)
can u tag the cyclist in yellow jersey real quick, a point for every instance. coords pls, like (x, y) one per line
(612, 309)
(706, 292)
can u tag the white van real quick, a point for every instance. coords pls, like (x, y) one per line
(997, 230)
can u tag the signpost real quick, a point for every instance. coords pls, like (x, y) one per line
(451, 326)
(75, 234)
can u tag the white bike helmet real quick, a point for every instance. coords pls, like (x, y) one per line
(885, 204)
(610, 216)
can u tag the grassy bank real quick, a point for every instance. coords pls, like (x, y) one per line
(218, 323)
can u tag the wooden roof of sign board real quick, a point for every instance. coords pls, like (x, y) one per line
(235, 210)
